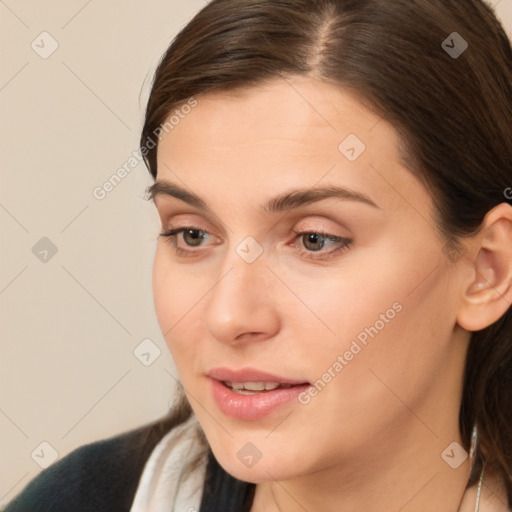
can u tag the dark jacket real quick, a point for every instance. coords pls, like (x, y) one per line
(103, 477)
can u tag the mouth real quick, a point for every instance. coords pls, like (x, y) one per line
(250, 394)
(254, 388)
(252, 379)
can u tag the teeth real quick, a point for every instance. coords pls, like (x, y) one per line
(255, 386)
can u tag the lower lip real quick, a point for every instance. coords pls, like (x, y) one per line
(253, 407)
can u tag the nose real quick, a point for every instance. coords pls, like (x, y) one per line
(242, 306)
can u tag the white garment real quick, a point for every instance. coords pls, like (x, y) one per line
(162, 487)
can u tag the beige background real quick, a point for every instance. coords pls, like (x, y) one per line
(70, 324)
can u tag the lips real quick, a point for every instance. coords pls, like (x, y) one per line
(250, 394)
(251, 375)
(246, 388)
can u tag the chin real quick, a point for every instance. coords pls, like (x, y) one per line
(249, 463)
(260, 473)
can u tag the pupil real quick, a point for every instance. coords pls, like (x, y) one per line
(193, 236)
(314, 238)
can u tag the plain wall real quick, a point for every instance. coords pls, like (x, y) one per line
(70, 321)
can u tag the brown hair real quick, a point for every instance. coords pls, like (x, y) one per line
(453, 114)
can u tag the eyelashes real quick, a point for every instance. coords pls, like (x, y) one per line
(172, 236)
(315, 237)
(193, 237)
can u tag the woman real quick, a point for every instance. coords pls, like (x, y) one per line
(334, 272)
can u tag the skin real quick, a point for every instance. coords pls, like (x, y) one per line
(372, 439)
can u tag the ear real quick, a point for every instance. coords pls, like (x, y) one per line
(487, 289)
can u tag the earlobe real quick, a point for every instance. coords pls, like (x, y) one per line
(488, 295)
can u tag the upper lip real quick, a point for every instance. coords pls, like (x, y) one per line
(250, 375)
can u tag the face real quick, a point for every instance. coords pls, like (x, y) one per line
(278, 272)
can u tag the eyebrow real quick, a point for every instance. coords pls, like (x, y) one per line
(166, 188)
(282, 203)
(303, 197)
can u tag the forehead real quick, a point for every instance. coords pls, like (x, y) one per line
(266, 138)
(294, 108)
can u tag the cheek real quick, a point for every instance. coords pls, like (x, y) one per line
(363, 294)
(177, 296)
(171, 296)
(389, 313)
(164, 290)
(394, 336)
(175, 291)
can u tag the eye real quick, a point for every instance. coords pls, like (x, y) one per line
(192, 237)
(315, 242)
